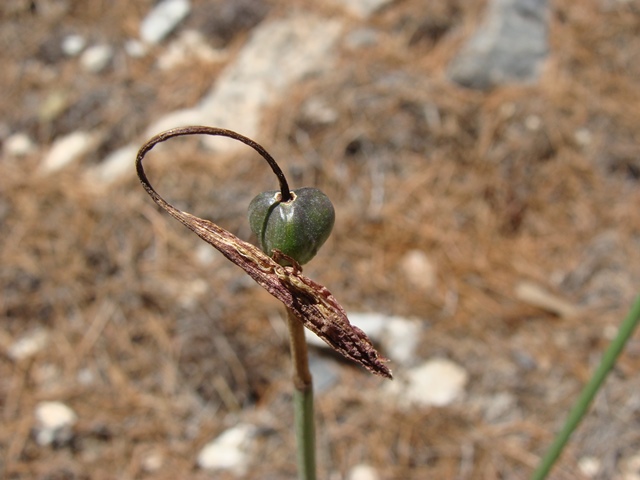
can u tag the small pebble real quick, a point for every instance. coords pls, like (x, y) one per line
(363, 471)
(163, 19)
(395, 337)
(115, 165)
(189, 46)
(67, 149)
(419, 270)
(228, 451)
(437, 382)
(318, 112)
(72, 45)
(18, 145)
(96, 58)
(401, 339)
(54, 421)
(589, 466)
(583, 137)
(135, 48)
(152, 462)
(29, 345)
(533, 122)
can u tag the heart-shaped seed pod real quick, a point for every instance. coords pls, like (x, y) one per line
(297, 227)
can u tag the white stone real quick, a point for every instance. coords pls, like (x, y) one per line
(583, 136)
(401, 339)
(19, 145)
(189, 46)
(29, 345)
(437, 382)
(85, 376)
(191, 292)
(318, 112)
(533, 122)
(163, 19)
(229, 451)
(419, 270)
(373, 324)
(278, 54)
(72, 45)
(115, 165)
(589, 466)
(152, 462)
(54, 421)
(135, 48)
(96, 58)
(206, 254)
(67, 149)
(179, 118)
(363, 471)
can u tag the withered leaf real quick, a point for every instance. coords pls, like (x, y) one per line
(312, 303)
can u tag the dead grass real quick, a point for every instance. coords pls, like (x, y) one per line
(159, 346)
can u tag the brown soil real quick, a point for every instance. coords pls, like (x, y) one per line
(159, 344)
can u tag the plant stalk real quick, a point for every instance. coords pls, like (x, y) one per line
(302, 399)
(587, 395)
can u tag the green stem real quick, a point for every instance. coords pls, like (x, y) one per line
(581, 406)
(302, 399)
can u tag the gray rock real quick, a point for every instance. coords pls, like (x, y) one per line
(163, 19)
(277, 55)
(509, 46)
(323, 372)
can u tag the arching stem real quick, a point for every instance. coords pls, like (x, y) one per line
(220, 132)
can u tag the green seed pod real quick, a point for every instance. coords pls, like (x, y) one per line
(297, 228)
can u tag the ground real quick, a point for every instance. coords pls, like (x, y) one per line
(159, 344)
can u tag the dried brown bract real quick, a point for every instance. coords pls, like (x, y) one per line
(312, 303)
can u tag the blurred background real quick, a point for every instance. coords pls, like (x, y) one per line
(483, 159)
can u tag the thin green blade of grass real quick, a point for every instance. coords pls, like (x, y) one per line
(589, 392)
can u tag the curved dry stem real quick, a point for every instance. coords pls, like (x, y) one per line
(213, 131)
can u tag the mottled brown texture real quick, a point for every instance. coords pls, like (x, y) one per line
(311, 302)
